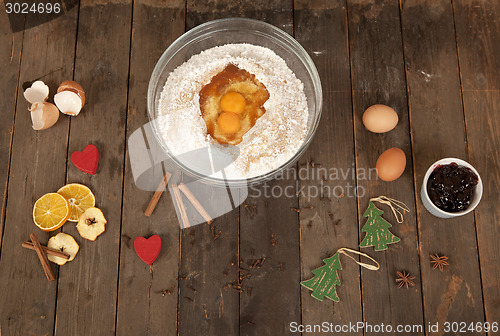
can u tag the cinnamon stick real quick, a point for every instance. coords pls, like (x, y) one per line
(43, 257)
(156, 197)
(180, 204)
(48, 250)
(195, 203)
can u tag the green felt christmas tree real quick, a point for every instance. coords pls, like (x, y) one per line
(325, 279)
(377, 230)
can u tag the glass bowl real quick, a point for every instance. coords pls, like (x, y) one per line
(238, 30)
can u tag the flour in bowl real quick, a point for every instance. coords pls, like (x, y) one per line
(275, 137)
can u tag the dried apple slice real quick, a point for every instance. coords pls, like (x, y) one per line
(91, 223)
(65, 243)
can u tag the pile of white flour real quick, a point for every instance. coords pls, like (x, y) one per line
(276, 136)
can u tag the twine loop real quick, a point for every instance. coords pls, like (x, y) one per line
(398, 208)
(345, 251)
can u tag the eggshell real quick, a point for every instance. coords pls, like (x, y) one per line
(380, 118)
(38, 92)
(43, 115)
(74, 87)
(68, 102)
(391, 164)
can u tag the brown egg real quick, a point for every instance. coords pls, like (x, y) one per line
(380, 118)
(391, 164)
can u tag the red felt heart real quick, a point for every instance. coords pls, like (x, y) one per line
(86, 160)
(148, 249)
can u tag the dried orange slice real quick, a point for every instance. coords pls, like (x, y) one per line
(80, 198)
(51, 211)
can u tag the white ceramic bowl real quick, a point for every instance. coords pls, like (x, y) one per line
(478, 192)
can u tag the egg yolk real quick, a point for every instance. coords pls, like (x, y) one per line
(233, 102)
(229, 122)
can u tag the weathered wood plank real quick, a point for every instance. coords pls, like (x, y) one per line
(278, 11)
(203, 296)
(478, 32)
(331, 223)
(10, 60)
(270, 297)
(206, 307)
(143, 306)
(101, 67)
(38, 166)
(208, 265)
(437, 124)
(377, 68)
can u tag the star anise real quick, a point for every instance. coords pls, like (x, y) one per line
(405, 279)
(439, 262)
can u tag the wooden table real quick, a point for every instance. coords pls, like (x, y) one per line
(437, 63)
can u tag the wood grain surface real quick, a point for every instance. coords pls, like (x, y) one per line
(207, 304)
(477, 30)
(377, 68)
(37, 167)
(10, 59)
(434, 99)
(327, 221)
(270, 230)
(101, 67)
(154, 288)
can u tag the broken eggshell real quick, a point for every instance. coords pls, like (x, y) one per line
(38, 92)
(70, 98)
(43, 115)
